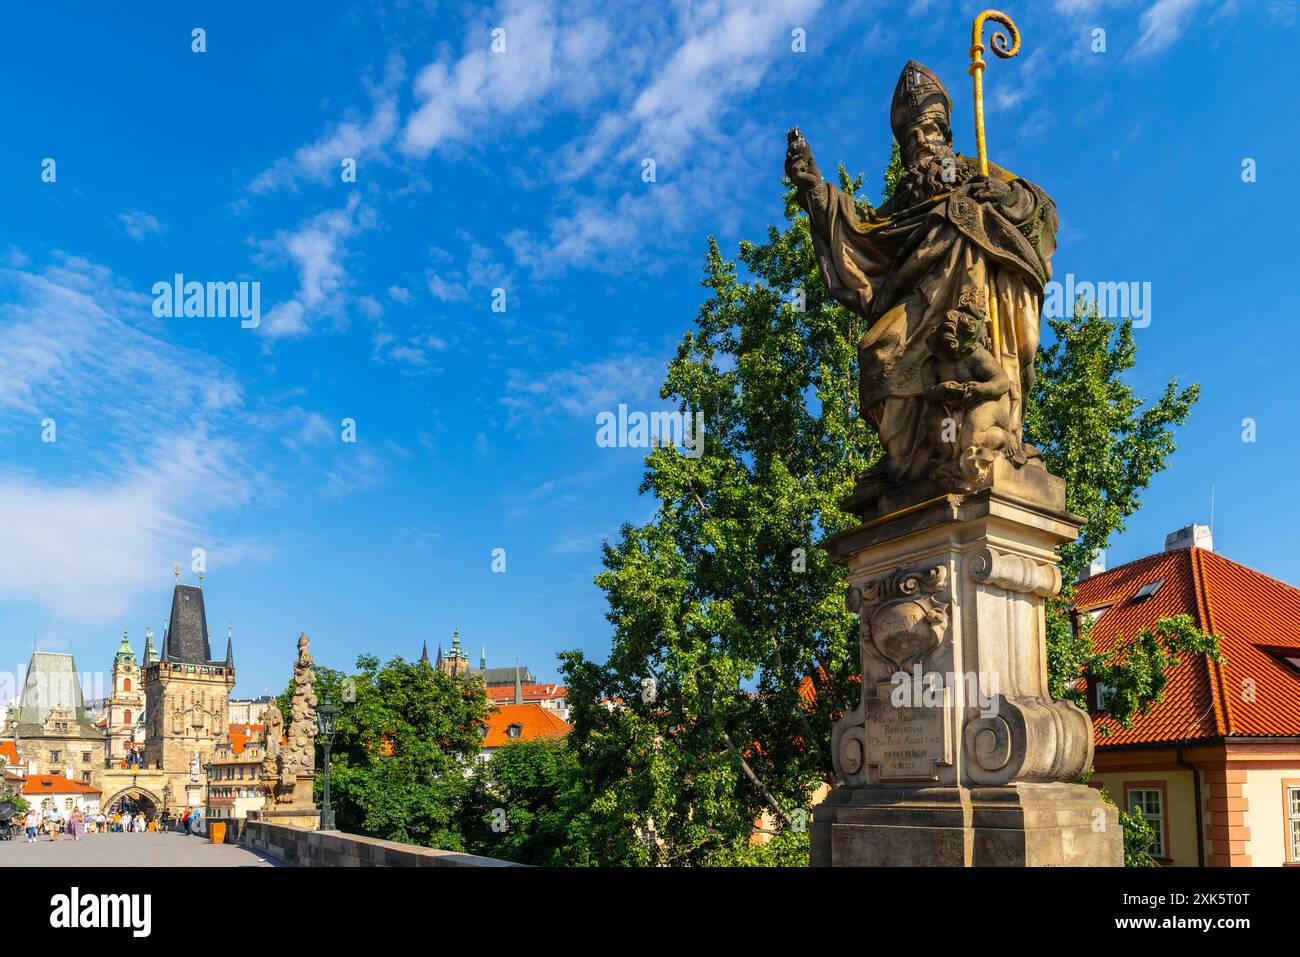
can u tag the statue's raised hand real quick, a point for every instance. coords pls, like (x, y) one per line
(799, 163)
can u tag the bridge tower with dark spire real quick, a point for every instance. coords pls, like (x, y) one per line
(187, 691)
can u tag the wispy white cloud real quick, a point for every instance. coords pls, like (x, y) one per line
(676, 116)
(316, 248)
(1163, 23)
(150, 467)
(539, 58)
(132, 483)
(480, 272)
(137, 224)
(354, 138)
(584, 389)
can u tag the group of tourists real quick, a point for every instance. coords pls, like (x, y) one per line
(78, 823)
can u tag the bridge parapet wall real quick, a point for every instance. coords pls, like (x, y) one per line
(298, 847)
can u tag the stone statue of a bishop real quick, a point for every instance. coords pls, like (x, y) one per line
(949, 275)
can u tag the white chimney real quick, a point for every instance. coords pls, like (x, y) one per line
(1095, 567)
(1193, 536)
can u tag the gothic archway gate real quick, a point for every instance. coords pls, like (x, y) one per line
(135, 785)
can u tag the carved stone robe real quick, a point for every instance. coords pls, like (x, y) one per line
(903, 270)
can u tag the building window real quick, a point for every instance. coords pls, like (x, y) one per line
(1104, 692)
(514, 731)
(126, 716)
(67, 804)
(85, 776)
(1150, 803)
(85, 757)
(54, 757)
(126, 686)
(1293, 820)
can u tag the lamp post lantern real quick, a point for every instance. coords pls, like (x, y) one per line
(325, 715)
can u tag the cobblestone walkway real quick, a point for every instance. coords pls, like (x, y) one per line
(151, 849)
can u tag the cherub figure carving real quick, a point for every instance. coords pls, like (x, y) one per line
(968, 418)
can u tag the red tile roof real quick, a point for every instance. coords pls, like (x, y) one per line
(1258, 619)
(8, 752)
(242, 734)
(534, 722)
(503, 694)
(38, 784)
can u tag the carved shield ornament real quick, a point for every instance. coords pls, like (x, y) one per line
(903, 615)
(906, 630)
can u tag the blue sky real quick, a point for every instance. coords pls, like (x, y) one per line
(521, 171)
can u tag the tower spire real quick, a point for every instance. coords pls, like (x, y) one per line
(519, 686)
(230, 645)
(124, 649)
(424, 652)
(482, 658)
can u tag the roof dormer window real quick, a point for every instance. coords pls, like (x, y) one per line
(1149, 589)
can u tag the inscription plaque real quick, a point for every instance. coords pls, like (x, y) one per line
(904, 743)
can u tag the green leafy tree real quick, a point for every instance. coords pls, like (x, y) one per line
(526, 805)
(403, 749)
(9, 792)
(723, 605)
(732, 652)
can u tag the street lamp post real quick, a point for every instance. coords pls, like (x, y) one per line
(207, 810)
(325, 715)
(167, 803)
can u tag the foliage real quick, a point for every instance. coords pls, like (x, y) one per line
(786, 848)
(525, 805)
(723, 600)
(9, 792)
(1136, 671)
(893, 172)
(1139, 835)
(1092, 428)
(403, 750)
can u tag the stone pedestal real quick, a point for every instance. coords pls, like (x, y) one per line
(293, 809)
(956, 755)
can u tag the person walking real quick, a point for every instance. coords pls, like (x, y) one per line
(53, 821)
(185, 820)
(32, 822)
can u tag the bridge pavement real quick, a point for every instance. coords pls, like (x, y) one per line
(150, 849)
